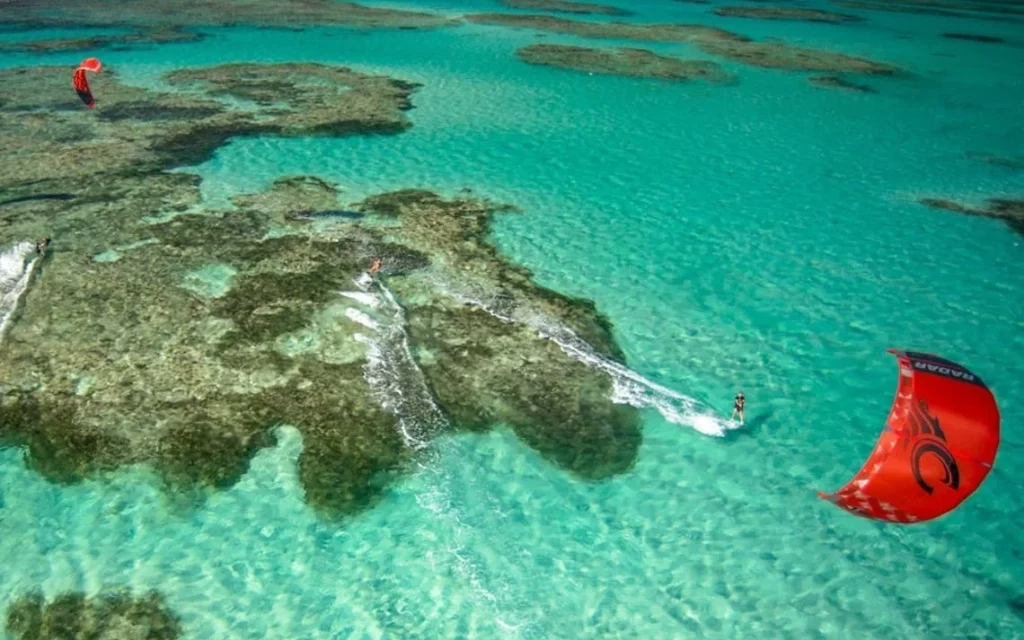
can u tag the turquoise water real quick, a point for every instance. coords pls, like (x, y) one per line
(762, 236)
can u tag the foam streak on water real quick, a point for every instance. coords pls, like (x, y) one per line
(397, 383)
(15, 272)
(629, 387)
(400, 388)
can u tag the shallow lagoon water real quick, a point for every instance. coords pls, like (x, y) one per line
(762, 236)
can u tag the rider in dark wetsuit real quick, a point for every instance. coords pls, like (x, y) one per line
(737, 406)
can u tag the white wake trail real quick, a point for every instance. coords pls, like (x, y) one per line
(629, 387)
(400, 388)
(15, 272)
(394, 378)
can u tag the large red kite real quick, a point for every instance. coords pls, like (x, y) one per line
(938, 445)
(81, 84)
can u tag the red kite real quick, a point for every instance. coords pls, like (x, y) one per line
(80, 82)
(937, 447)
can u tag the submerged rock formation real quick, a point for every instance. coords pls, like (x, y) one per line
(1010, 211)
(973, 37)
(947, 8)
(709, 39)
(836, 82)
(156, 36)
(50, 135)
(623, 61)
(616, 30)
(565, 6)
(998, 161)
(74, 616)
(168, 334)
(785, 13)
(211, 13)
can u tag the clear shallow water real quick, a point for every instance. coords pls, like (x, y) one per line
(762, 236)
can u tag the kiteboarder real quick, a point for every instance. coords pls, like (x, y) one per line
(737, 406)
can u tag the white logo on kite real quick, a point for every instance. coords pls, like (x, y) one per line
(944, 371)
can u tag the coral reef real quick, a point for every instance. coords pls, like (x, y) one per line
(709, 39)
(623, 61)
(777, 55)
(149, 14)
(167, 334)
(785, 13)
(973, 37)
(45, 126)
(616, 30)
(1004, 162)
(836, 82)
(1010, 211)
(162, 35)
(938, 8)
(564, 6)
(74, 616)
(485, 370)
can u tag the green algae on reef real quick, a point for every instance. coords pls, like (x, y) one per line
(711, 40)
(181, 337)
(623, 61)
(113, 615)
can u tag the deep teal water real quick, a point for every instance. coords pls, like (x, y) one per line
(762, 236)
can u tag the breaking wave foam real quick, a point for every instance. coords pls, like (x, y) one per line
(15, 272)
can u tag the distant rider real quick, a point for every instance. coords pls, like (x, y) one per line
(737, 406)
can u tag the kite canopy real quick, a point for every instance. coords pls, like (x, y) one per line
(938, 445)
(80, 82)
(91, 64)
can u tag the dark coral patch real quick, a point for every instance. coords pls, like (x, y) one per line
(785, 13)
(1010, 211)
(74, 616)
(165, 15)
(623, 61)
(973, 37)
(57, 444)
(564, 6)
(835, 82)
(711, 40)
(115, 43)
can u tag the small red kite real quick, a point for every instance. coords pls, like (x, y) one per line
(80, 82)
(937, 447)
